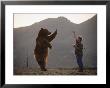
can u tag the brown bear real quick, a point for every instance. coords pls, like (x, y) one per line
(42, 44)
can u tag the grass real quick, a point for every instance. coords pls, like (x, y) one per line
(55, 71)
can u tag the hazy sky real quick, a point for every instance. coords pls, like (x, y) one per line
(21, 20)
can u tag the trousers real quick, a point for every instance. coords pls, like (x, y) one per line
(79, 61)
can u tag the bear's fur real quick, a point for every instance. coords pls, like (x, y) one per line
(42, 44)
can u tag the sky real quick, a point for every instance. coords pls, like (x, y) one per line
(22, 20)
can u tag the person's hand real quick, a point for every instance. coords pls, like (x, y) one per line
(73, 31)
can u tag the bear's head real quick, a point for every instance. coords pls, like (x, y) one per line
(44, 32)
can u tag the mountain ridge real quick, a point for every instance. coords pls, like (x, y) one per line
(60, 17)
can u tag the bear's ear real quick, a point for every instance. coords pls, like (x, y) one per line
(41, 28)
(40, 32)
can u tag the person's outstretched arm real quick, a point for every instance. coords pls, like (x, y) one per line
(74, 35)
(74, 39)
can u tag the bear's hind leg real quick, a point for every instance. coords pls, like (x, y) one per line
(42, 65)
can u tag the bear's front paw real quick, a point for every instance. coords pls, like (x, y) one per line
(50, 47)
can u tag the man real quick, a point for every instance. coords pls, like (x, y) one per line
(79, 52)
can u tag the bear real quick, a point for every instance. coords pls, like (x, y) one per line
(42, 44)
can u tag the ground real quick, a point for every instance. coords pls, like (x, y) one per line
(58, 71)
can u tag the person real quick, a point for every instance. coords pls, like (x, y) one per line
(79, 51)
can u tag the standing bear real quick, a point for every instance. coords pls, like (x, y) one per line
(42, 44)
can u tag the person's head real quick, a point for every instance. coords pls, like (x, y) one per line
(79, 39)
